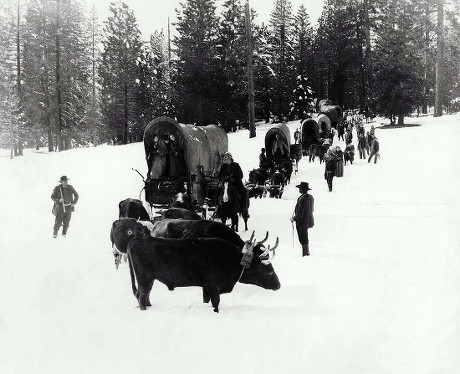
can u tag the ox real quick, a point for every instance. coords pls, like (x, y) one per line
(181, 200)
(132, 208)
(178, 213)
(317, 150)
(183, 229)
(256, 185)
(211, 263)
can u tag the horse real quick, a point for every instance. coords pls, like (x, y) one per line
(229, 206)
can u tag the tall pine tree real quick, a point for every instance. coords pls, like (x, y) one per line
(118, 71)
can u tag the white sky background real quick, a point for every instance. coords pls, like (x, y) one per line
(153, 15)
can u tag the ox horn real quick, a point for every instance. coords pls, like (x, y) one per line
(264, 239)
(275, 246)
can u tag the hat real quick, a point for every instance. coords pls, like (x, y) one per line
(228, 154)
(303, 186)
(64, 178)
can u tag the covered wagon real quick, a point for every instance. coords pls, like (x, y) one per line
(310, 133)
(278, 142)
(180, 158)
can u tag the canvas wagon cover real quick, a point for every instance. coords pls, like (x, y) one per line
(310, 131)
(202, 145)
(324, 123)
(284, 133)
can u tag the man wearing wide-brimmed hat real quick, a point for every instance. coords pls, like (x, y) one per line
(65, 197)
(303, 216)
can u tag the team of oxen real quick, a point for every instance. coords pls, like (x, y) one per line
(181, 249)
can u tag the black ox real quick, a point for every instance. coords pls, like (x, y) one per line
(214, 264)
(190, 229)
(132, 208)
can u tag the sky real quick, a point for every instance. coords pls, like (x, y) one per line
(153, 14)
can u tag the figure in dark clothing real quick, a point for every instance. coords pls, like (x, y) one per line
(176, 159)
(231, 172)
(263, 160)
(348, 137)
(375, 147)
(65, 197)
(362, 146)
(297, 136)
(303, 216)
(330, 163)
(279, 149)
(156, 160)
(341, 129)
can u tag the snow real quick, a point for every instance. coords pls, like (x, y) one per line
(379, 293)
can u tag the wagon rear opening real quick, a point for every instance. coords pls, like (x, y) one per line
(182, 158)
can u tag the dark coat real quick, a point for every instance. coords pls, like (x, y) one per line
(303, 216)
(375, 147)
(68, 193)
(231, 173)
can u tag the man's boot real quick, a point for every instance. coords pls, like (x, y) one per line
(305, 250)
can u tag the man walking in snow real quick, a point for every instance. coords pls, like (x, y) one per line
(65, 197)
(374, 150)
(330, 167)
(303, 216)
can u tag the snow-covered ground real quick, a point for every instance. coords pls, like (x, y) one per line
(379, 293)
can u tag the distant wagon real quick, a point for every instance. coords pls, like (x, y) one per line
(284, 141)
(310, 133)
(182, 158)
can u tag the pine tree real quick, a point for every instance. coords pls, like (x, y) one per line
(281, 23)
(10, 110)
(264, 76)
(118, 71)
(56, 72)
(302, 98)
(198, 78)
(398, 62)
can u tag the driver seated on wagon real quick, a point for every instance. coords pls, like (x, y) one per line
(231, 172)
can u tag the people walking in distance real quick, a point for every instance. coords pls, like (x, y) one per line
(65, 197)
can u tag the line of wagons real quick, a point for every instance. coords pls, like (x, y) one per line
(199, 149)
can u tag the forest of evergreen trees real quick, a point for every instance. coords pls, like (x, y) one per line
(69, 79)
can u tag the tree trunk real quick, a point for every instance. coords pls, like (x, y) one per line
(368, 59)
(58, 78)
(252, 126)
(439, 60)
(125, 135)
(50, 139)
(18, 66)
(401, 119)
(426, 89)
